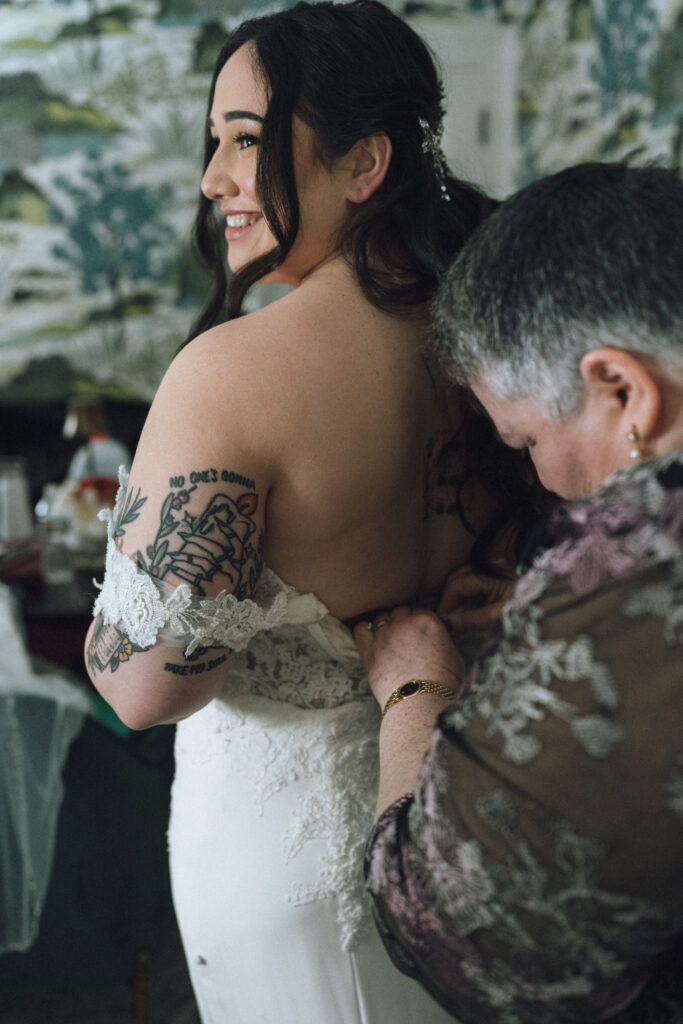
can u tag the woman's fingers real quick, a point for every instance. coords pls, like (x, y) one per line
(366, 633)
(406, 645)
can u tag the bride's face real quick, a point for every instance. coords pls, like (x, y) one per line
(236, 120)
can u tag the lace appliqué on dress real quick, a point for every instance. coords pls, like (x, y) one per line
(149, 609)
(297, 708)
(338, 811)
(334, 751)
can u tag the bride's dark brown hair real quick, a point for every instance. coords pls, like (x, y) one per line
(348, 71)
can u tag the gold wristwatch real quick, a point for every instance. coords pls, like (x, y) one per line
(414, 686)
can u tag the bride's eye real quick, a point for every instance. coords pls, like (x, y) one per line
(243, 140)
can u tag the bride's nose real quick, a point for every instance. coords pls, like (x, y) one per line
(217, 181)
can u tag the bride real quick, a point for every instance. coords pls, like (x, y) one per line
(299, 467)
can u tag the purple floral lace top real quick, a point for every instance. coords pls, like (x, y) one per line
(536, 873)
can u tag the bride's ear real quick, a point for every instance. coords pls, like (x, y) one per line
(369, 162)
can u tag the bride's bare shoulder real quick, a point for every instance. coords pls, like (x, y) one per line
(320, 346)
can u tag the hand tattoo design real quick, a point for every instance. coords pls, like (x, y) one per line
(219, 544)
(219, 541)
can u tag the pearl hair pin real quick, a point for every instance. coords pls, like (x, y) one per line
(431, 144)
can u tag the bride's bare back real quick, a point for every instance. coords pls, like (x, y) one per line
(358, 427)
(306, 436)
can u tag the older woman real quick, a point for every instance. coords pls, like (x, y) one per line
(530, 868)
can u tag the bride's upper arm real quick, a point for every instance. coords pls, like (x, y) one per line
(193, 514)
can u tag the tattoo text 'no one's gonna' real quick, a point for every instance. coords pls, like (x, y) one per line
(212, 476)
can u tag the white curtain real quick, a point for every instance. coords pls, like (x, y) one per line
(40, 714)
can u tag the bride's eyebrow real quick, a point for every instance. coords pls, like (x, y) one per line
(237, 115)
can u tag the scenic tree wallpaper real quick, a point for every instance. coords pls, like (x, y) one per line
(101, 111)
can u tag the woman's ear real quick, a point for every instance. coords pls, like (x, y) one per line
(368, 161)
(625, 386)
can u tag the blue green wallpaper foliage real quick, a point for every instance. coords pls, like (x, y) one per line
(101, 112)
(599, 80)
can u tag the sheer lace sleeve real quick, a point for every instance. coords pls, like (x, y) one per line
(534, 875)
(150, 610)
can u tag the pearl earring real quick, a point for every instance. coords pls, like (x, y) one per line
(634, 437)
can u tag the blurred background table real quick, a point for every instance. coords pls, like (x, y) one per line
(56, 617)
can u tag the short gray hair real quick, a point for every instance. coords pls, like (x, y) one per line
(586, 258)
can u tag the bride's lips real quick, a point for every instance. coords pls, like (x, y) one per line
(239, 223)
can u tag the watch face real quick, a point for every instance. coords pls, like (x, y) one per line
(408, 689)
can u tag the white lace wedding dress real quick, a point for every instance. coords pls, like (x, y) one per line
(272, 805)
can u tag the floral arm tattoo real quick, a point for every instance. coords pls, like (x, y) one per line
(217, 544)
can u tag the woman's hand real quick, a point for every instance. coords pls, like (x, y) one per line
(471, 601)
(399, 646)
(402, 645)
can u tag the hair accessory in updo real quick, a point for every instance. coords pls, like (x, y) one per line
(431, 144)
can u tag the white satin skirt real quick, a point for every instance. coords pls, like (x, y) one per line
(262, 841)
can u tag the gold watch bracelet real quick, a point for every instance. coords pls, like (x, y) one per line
(412, 687)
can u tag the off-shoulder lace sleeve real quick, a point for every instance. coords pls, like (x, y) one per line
(149, 610)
